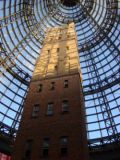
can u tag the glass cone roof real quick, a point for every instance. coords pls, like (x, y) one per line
(22, 27)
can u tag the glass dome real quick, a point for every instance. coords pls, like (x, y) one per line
(22, 28)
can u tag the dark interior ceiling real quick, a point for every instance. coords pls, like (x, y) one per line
(22, 28)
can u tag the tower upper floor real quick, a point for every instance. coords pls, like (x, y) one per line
(59, 55)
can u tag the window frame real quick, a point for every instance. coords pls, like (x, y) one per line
(40, 88)
(35, 111)
(46, 147)
(52, 86)
(28, 148)
(66, 83)
(50, 112)
(65, 106)
(62, 140)
(64, 146)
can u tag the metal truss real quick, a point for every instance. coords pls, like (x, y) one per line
(103, 101)
(23, 24)
(8, 63)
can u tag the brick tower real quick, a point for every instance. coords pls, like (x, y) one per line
(53, 121)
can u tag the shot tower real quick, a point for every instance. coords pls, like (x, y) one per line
(53, 121)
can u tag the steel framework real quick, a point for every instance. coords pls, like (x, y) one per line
(22, 27)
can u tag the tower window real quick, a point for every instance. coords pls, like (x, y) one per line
(64, 151)
(28, 149)
(40, 88)
(50, 109)
(65, 106)
(35, 111)
(66, 84)
(52, 86)
(64, 146)
(60, 37)
(67, 47)
(29, 144)
(58, 49)
(64, 140)
(56, 67)
(68, 36)
(46, 143)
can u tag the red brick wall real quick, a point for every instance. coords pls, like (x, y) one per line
(71, 124)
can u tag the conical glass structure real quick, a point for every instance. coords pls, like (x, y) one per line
(23, 24)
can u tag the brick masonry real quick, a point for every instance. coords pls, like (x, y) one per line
(70, 124)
